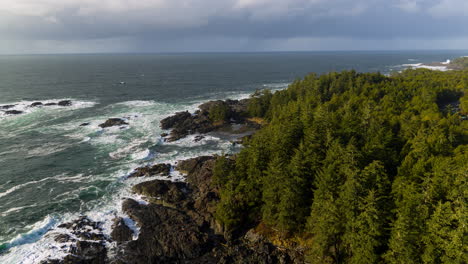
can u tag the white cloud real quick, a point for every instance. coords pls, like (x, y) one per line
(446, 8)
(66, 24)
(409, 5)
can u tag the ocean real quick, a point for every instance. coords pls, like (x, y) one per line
(53, 170)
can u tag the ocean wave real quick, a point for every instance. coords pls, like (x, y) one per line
(190, 140)
(47, 149)
(133, 145)
(423, 66)
(20, 186)
(237, 95)
(31, 253)
(16, 209)
(26, 108)
(138, 103)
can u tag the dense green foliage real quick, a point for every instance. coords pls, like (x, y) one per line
(259, 103)
(372, 167)
(219, 112)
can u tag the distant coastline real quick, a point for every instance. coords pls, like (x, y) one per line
(460, 63)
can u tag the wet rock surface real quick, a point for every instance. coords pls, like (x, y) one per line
(176, 222)
(120, 231)
(162, 169)
(167, 235)
(84, 242)
(164, 191)
(64, 103)
(177, 225)
(113, 122)
(171, 121)
(8, 109)
(13, 112)
(7, 106)
(36, 104)
(198, 138)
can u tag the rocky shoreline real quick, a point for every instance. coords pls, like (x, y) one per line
(9, 109)
(176, 222)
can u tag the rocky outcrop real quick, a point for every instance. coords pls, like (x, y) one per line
(65, 103)
(176, 226)
(162, 169)
(167, 235)
(7, 106)
(177, 118)
(36, 104)
(85, 243)
(32, 105)
(167, 193)
(211, 115)
(120, 231)
(84, 229)
(13, 112)
(113, 122)
(191, 166)
(177, 221)
(183, 124)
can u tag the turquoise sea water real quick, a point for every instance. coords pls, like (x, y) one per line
(52, 169)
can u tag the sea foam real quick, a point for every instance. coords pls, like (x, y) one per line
(133, 145)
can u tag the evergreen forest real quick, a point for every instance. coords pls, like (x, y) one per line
(356, 168)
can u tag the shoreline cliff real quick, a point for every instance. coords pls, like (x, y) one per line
(176, 222)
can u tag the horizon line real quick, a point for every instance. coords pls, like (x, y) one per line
(223, 52)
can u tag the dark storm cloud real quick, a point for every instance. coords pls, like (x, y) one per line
(161, 24)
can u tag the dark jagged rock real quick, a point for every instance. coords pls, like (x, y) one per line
(164, 134)
(162, 240)
(113, 122)
(198, 138)
(50, 104)
(171, 121)
(7, 106)
(184, 123)
(166, 235)
(36, 104)
(162, 169)
(88, 242)
(88, 252)
(90, 236)
(81, 223)
(189, 166)
(120, 231)
(177, 223)
(211, 115)
(63, 238)
(166, 192)
(65, 103)
(85, 124)
(84, 228)
(13, 112)
(52, 261)
(177, 226)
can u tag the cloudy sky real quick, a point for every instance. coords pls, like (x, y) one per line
(75, 26)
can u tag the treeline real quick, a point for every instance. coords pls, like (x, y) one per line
(373, 169)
